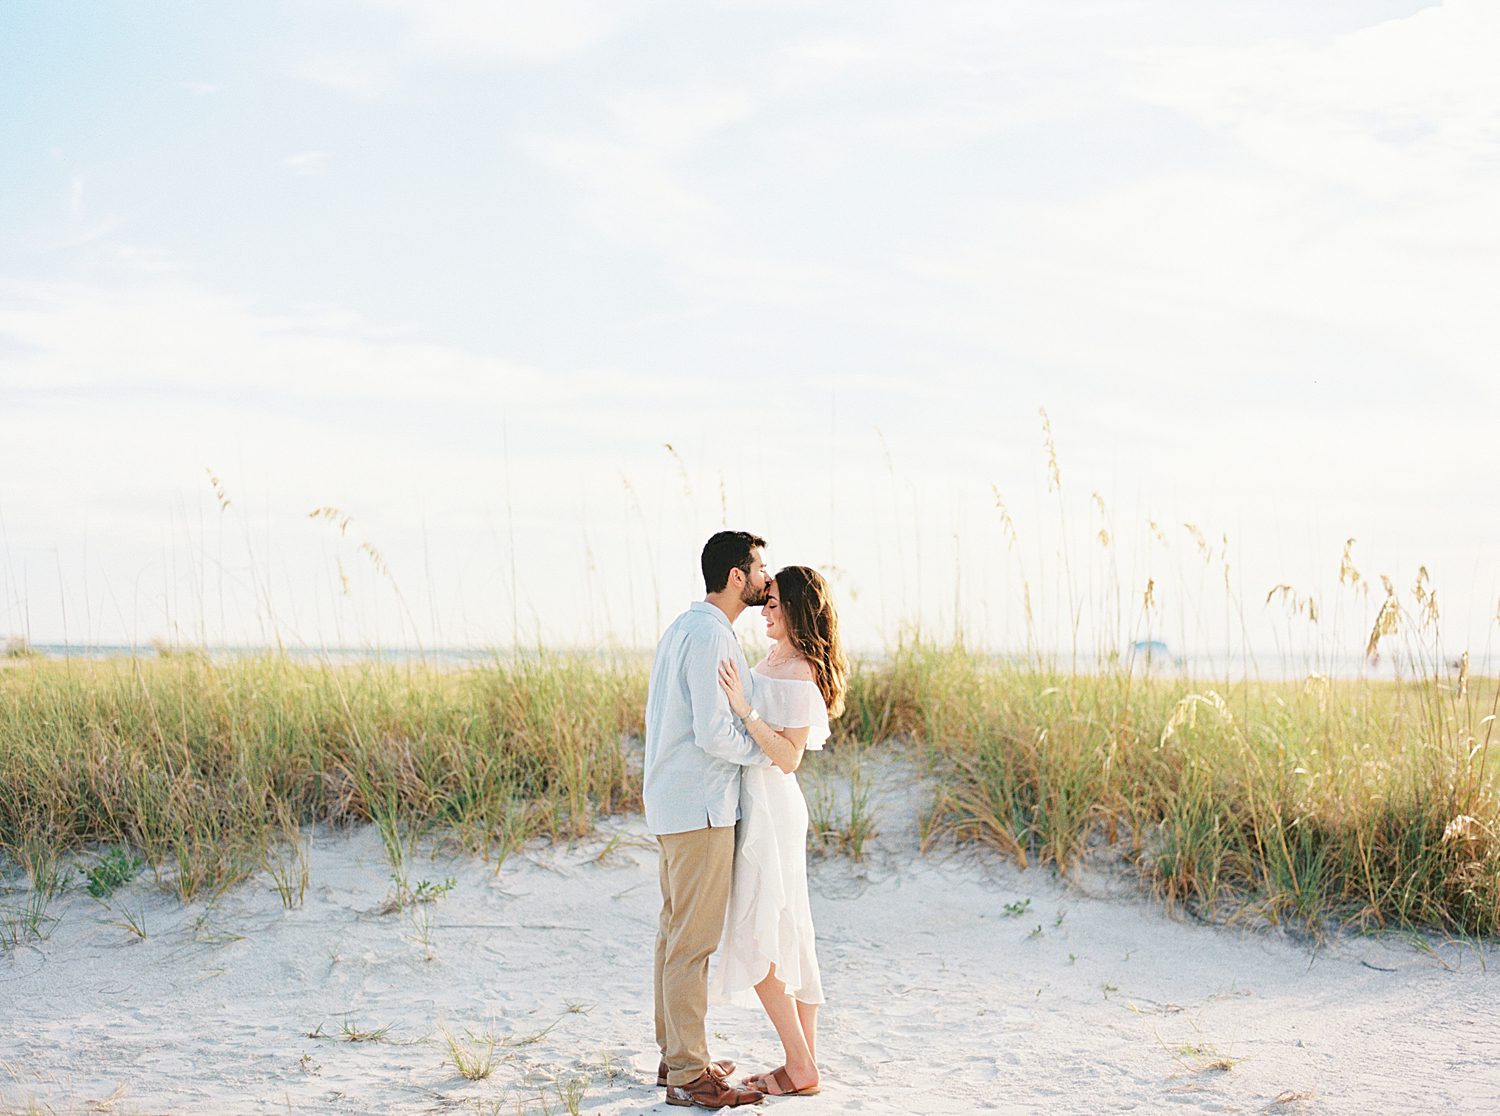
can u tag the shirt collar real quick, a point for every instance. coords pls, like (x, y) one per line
(713, 610)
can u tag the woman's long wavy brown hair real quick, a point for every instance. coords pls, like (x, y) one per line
(812, 627)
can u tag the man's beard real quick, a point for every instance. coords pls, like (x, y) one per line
(754, 598)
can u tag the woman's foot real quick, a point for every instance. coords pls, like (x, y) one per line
(783, 1082)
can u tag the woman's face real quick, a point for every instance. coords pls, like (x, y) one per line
(771, 610)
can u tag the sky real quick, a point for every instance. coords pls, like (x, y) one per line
(536, 297)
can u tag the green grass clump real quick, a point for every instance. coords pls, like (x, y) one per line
(115, 869)
(203, 767)
(1371, 803)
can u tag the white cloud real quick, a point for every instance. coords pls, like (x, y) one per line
(630, 190)
(672, 122)
(472, 30)
(363, 74)
(835, 53)
(178, 336)
(81, 226)
(417, 34)
(307, 163)
(1403, 110)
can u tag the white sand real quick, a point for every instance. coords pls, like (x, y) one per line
(1091, 1000)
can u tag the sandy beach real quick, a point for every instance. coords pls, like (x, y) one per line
(956, 984)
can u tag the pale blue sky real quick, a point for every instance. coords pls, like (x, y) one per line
(463, 269)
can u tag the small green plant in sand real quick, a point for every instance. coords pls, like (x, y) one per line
(839, 793)
(430, 891)
(531, 1038)
(860, 829)
(1017, 908)
(571, 1092)
(131, 919)
(353, 1032)
(287, 865)
(114, 870)
(419, 918)
(28, 921)
(1202, 1057)
(473, 1056)
(404, 895)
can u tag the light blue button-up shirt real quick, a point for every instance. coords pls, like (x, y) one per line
(695, 747)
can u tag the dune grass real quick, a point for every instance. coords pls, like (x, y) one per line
(207, 768)
(1368, 804)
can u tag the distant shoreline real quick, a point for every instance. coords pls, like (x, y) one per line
(1263, 665)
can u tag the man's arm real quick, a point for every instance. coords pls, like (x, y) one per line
(715, 728)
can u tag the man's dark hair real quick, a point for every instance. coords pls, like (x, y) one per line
(728, 550)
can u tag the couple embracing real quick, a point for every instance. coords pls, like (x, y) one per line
(722, 744)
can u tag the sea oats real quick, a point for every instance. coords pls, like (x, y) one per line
(1295, 603)
(1386, 620)
(1464, 828)
(330, 514)
(376, 559)
(687, 484)
(1348, 575)
(1203, 548)
(1185, 713)
(1054, 475)
(1005, 519)
(218, 487)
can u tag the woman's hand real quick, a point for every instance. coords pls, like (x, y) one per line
(729, 678)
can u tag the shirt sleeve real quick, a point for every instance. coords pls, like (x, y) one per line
(715, 728)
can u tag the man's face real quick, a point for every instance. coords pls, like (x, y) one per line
(754, 592)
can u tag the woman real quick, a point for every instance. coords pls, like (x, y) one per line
(768, 935)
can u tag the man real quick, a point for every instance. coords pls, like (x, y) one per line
(695, 749)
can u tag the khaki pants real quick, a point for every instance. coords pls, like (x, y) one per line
(695, 874)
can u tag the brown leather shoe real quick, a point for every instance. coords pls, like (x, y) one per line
(722, 1068)
(708, 1091)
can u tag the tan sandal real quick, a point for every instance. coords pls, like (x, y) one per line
(760, 1080)
(783, 1082)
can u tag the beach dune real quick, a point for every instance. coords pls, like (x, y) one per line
(956, 984)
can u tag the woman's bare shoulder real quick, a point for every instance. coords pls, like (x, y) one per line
(790, 670)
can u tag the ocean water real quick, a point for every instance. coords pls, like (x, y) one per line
(1159, 661)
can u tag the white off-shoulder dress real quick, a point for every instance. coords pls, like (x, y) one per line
(769, 920)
